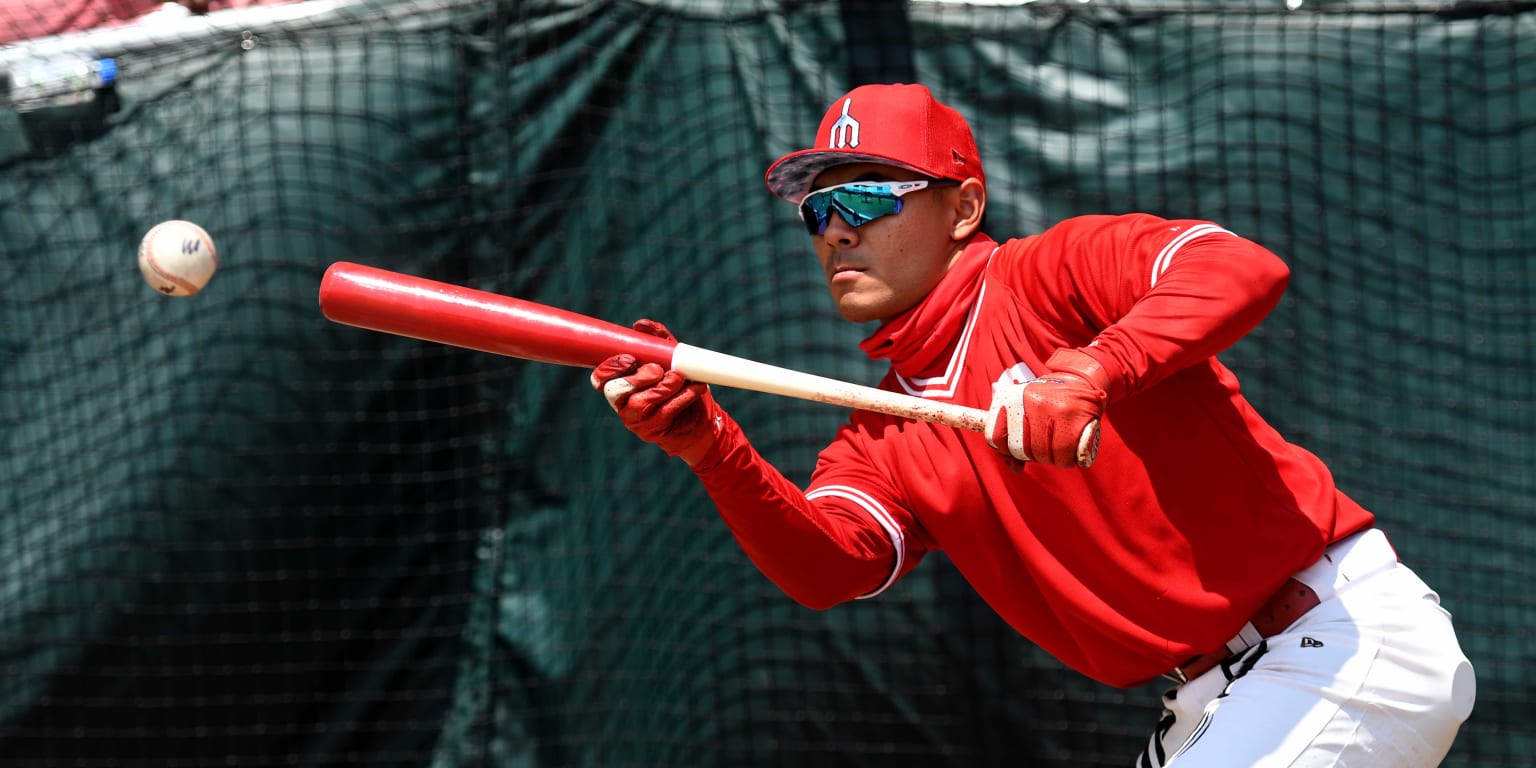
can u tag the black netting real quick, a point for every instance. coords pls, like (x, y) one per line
(233, 533)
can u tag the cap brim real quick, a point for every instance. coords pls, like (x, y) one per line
(791, 176)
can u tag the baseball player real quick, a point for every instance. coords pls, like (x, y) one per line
(1126, 510)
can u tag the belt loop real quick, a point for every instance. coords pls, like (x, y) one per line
(1246, 638)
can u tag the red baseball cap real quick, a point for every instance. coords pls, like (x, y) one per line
(898, 124)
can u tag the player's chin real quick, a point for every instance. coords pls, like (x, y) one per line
(859, 308)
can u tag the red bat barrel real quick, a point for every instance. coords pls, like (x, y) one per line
(404, 305)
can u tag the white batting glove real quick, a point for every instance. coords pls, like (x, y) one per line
(1053, 419)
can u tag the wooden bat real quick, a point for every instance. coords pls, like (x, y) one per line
(418, 308)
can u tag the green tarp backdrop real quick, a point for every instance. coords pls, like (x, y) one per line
(233, 533)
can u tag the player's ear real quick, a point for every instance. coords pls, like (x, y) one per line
(970, 204)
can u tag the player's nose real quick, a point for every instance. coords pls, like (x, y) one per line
(839, 232)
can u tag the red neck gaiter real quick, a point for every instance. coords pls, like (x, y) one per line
(917, 338)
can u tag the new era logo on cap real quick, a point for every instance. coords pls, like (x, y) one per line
(901, 125)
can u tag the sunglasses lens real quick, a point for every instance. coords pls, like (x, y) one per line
(858, 204)
(813, 211)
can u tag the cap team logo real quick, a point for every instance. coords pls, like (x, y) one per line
(845, 132)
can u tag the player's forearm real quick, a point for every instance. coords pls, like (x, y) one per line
(1217, 291)
(815, 553)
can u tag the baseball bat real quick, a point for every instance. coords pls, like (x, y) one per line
(419, 308)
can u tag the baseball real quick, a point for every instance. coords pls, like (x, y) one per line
(177, 258)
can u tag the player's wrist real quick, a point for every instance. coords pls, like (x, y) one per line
(1083, 366)
(710, 452)
(698, 450)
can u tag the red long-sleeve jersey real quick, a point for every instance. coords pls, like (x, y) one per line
(1195, 511)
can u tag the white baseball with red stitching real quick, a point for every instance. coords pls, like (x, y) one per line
(177, 258)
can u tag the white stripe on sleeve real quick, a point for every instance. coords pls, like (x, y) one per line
(1164, 258)
(881, 516)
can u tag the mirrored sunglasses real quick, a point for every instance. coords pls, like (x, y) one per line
(859, 202)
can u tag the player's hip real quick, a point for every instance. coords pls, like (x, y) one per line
(1371, 676)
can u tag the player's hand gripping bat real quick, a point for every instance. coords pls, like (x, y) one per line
(404, 305)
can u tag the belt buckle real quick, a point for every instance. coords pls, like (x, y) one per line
(1175, 676)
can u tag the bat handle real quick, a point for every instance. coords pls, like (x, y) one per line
(947, 414)
(713, 367)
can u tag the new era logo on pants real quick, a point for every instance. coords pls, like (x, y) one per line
(1307, 642)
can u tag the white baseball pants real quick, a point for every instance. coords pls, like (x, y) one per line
(1373, 677)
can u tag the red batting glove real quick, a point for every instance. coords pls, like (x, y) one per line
(1053, 419)
(661, 406)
